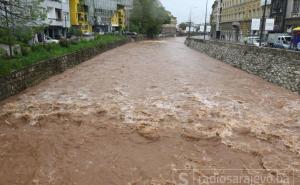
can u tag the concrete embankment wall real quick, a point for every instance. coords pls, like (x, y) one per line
(18, 81)
(278, 66)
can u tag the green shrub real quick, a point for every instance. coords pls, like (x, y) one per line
(50, 46)
(75, 32)
(64, 43)
(74, 41)
(3, 53)
(25, 50)
(36, 47)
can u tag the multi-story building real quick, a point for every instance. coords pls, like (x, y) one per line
(215, 19)
(292, 15)
(278, 12)
(79, 12)
(236, 18)
(109, 15)
(57, 17)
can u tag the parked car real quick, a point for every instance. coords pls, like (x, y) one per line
(298, 46)
(254, 40)
(283, 42)
(132, 34)
(50, 40)
(87, 34)
(275, 37)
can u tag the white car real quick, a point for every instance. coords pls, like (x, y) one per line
(252, 40)
(50, 40)
(87, 34)
(298, 46)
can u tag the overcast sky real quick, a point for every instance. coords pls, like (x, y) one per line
(181, 9)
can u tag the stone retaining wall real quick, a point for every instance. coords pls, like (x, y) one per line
(18, 81)
(278, 66)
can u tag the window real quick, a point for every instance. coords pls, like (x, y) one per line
(58, 14)
(296, 6)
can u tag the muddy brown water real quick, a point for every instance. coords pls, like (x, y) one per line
(152, 112)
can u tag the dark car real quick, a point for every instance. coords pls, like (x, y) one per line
(132, 34)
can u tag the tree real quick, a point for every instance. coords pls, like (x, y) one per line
(19, 15)
(183, 26)
(147, 17)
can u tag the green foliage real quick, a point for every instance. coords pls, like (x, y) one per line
(148, 17)
(25, 14)
(46, 51)
(64, 43)
(2, 53)
(25, 50)
(20, 13)
(18, 34)
(183, 26)
(4, 39)
(74, 31)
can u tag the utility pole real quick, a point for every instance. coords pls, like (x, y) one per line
(263, 23)
(190, 23)
(205, 20)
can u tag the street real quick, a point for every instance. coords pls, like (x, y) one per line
(134, 114)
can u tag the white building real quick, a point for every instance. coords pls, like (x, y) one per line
(57, 17)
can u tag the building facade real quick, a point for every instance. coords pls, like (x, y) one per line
(236, 18)
(278, 12)
(57, 17)
(170, 29)
(109, 15)
(79, 12)
(292, 15)
(215, 18)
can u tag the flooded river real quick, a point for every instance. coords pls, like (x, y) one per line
(152, 112)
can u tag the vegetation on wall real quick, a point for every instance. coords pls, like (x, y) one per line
(40, 52)
(147, 17)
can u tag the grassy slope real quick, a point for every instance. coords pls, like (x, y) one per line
(40, 53)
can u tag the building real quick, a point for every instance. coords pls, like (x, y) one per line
(79, 11)
(278, 12)
(292, 19)
(109, 15)
(170, 29)
(215, 19)
(118, 19)
(236, 18)
(57, 17)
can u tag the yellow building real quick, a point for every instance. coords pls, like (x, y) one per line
(79, 16)
(118, 20)
(236, 18)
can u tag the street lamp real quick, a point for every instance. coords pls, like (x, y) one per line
(205, 19)
(66, 26)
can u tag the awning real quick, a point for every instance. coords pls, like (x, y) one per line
(236, 24)
(296, 29)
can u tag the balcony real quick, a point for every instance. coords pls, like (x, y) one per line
(55, 22)
(295, 14)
